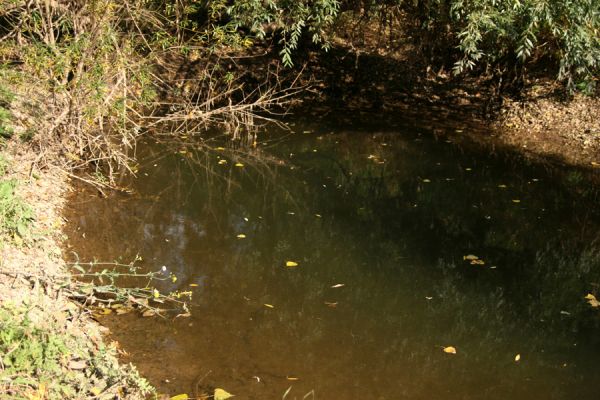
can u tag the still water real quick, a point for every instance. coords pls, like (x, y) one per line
(384, 225)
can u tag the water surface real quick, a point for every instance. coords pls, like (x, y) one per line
(380, 221)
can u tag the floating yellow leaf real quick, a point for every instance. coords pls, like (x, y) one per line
(516, 201)
(331, 304)
(338, 285)
(239, 164)
(221, 148)
(269, 305)
(502, 186)
(450, 350)
(477, 262)
(595, 164)
(592, 301)
(193, 285)
(221, 394)
(221, 162)
(180, 397)
(426, 181)
(291, 378)
(291, 264)
(241, 236)
(470, 257)
(517, 357)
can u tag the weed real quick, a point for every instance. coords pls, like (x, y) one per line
(42, 358)
(15, 215)
(3, 165)
(6, 131)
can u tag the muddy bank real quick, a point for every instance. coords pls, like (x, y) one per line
(76, 362)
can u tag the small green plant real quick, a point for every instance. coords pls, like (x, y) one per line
(15, 215)
(3, 166)
(42, 357)
(6, 131)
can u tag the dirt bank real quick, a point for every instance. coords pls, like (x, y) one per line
(52, 348)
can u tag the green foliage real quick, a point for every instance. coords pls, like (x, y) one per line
(15, 215)
(480, 34)
(491, 31)
(292, 18)
(6, 97)
(41, 358)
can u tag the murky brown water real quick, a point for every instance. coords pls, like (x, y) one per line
(388, 214)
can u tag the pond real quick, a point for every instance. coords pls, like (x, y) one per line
(425, 269)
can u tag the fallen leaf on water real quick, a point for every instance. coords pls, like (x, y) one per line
(331, 304)
(221, 162)
(180, 397)
(338, 285)
(291, 378)
(470, 257)
(477, 262)
(241, 236)
(291, 264)
(221, 148)
(592, 301)
(193, 285)
(426, 181)
(450, 350)
(221, 394)
(595, 164)
(517, 357)
(123, 310)
(516, 201)
(184, 315)
(239, 165)
(269, 305)
(318, 215)
(502, 186)
(429, 297)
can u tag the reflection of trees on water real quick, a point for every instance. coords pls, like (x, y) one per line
(394, 228)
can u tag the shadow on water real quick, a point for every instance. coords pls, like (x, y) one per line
(383, 224)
